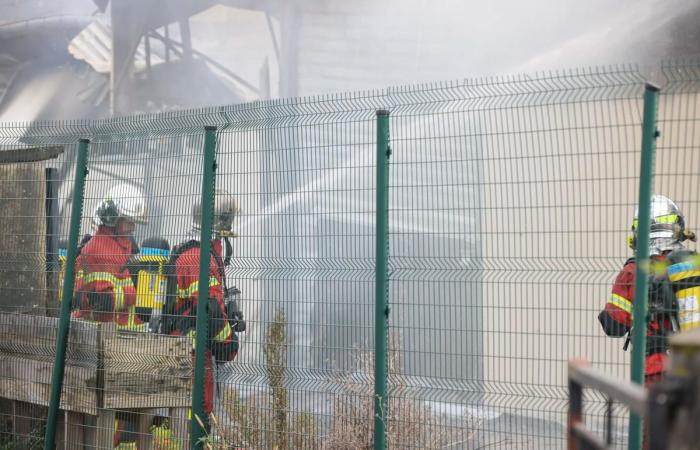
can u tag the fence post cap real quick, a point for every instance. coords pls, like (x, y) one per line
(651, 86)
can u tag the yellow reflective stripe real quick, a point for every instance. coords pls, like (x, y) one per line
(192, 334)
(224, 334)
(679, 276)
(691, 293)
(194, 287)
(621, 302)
(126, 446)
(108, 277)
(118, 285)
(131, 322)
(668, 218)
(153, 258)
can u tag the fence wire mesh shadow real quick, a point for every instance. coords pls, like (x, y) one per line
(510, 201)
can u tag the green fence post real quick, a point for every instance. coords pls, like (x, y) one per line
(381, 290)
(69, 279)
(639, 310)
(208, 181)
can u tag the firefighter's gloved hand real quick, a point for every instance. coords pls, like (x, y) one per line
(233, 311)
(237, 322)
(75, 303)
(100, 301)
(225, 351)
(217, 320)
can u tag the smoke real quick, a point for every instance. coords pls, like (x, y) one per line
(310, 47)
(364, 44)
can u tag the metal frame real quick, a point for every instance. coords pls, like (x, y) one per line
(581, 375)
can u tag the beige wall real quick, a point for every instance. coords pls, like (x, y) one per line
(562, 202)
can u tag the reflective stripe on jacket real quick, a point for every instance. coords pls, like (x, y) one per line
(187, 276)
(616, 318)
(103, 263)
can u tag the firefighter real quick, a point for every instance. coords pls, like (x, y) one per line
(183, 289)
(105, 292)
(668, 257)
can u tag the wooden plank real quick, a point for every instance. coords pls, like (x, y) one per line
(144, 439)
(180, 424)
(73, 430)
(23, 415)
(30, 154)
(146, 371)
(36, 336)
(29, 381)
(105, 429)
(6, 411)
(90, 432)
(61, 431)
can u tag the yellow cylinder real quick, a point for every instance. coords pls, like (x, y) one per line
(151, 281)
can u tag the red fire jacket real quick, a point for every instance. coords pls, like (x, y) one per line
(222, 341)
(105, 290)
(616, 319)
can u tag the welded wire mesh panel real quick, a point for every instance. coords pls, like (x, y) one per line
(303, 172)
(143, 182)
(510, 203)
(510, 199)
(677, 168)
(33, 157)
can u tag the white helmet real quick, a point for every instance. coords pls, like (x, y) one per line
(667, 225)
(124, 201)
(95, 220)
(225, 210)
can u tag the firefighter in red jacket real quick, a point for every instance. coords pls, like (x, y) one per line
(105, 291)
(666, 234)
(183, 289)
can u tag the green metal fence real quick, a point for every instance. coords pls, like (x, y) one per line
(509, 201)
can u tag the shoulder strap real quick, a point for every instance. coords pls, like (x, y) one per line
(169, 311)
(681, 255)
(229, 252)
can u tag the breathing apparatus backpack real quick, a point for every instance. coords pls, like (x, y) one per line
(148, 272)
(684, 279)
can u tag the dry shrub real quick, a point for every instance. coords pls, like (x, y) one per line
(411, 423)
(275, 350)
(264, 420)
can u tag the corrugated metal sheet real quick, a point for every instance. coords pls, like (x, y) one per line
(94, 46)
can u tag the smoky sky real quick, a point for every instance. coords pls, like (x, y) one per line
(364, 44)
(367, 44)
(460, 39)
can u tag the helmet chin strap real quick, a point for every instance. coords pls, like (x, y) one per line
(195, 234)
(227, 234)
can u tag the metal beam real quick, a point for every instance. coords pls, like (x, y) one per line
(632, 395)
